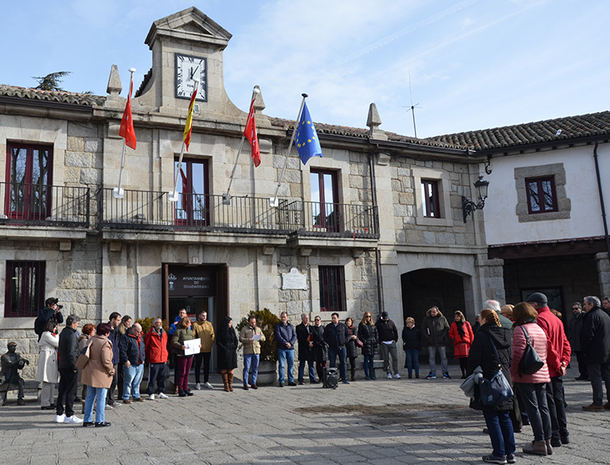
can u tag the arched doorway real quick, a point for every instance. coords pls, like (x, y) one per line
(422, 289)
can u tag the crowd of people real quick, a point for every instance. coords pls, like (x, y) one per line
(114, 354)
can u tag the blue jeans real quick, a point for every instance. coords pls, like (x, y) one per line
(412, 356)
(332, 356)
(97, 395)
(132, 377)
(501, 432)
(251, 360)
(283, 356)
(369, 367)
(312, 370)
(432, 358)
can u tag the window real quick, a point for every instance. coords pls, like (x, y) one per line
(28, 186)
(541, 196)
(332, 288)
(24, 288)
(192, 186)
(430, 203)
(324, 198)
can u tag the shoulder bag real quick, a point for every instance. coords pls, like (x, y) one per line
(83, 358)
(530, 362)
(497, 389)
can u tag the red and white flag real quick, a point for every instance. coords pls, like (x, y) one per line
(126, 129)
(250, 134)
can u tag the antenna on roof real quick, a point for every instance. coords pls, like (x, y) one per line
(412, 107)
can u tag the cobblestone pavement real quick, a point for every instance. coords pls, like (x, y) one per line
(379, 422)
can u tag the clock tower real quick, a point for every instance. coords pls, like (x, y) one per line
(187, 48)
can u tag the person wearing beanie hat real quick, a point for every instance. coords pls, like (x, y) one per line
(558, 358)
(388, 337)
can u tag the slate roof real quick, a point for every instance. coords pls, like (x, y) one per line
(540, 132)
(363, 133)
(51, 96)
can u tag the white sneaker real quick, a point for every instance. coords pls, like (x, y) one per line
(397, 376)
(73, 419)
(389, 375)
(198, 387)
(207, 385)
(162, 396)
(151, 397)
(60, 418)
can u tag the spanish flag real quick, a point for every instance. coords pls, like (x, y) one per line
(189, 121)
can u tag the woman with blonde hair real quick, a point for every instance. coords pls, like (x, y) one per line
(411, 343)
(462, 336)
(531, 388)
(490, 350)
(367, 334)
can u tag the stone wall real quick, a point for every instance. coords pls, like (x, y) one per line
(409, 224)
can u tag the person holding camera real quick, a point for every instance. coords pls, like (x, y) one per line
(51, 311)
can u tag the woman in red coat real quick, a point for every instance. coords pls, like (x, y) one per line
(462, 336)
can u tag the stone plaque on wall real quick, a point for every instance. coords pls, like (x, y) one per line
(294, 280)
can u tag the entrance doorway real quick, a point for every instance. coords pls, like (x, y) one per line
(196, 288)
(422, 289)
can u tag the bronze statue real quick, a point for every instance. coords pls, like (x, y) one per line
(12, 362)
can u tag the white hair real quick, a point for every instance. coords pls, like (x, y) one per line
(492, 305)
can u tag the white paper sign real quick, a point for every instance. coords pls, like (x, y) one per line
(192, 347)
(294, 280)
(256, 337)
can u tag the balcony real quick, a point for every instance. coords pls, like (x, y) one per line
(153, 211)
(43, 205)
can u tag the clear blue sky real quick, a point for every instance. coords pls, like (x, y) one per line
(473, 64)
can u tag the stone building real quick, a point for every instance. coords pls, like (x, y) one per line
(546, 218)
(376, 224)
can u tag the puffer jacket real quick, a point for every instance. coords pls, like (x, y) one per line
(435, 330)
(539, 343)
(367, 333)
(181, 335)
(482, 354)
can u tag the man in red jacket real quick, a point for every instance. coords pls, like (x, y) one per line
(557, 359)
(156, 354)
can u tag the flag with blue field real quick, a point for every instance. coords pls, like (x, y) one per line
(306, 137)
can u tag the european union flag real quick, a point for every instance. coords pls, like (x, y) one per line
(306, 137)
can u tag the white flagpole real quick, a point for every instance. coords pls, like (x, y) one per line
(273, 201)
(173, 195)
(226, 198)
(118, 192)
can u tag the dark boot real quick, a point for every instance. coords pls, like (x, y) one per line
(536, 448)
(225, 380)
(230, 380)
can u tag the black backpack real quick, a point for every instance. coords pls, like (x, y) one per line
(331, 378)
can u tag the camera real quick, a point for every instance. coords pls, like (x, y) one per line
(60, 306)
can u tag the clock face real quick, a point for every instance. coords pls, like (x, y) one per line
(187, 68)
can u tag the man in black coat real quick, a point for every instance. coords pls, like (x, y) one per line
(306, 354)
(574, 330)
(51, 311)
(68, 378)
(595, 342)
(336, 335)
(388, 336)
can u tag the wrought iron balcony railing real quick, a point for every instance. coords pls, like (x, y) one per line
(201, 212)
(39, 204)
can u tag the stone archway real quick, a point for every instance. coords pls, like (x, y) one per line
(421, 289)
